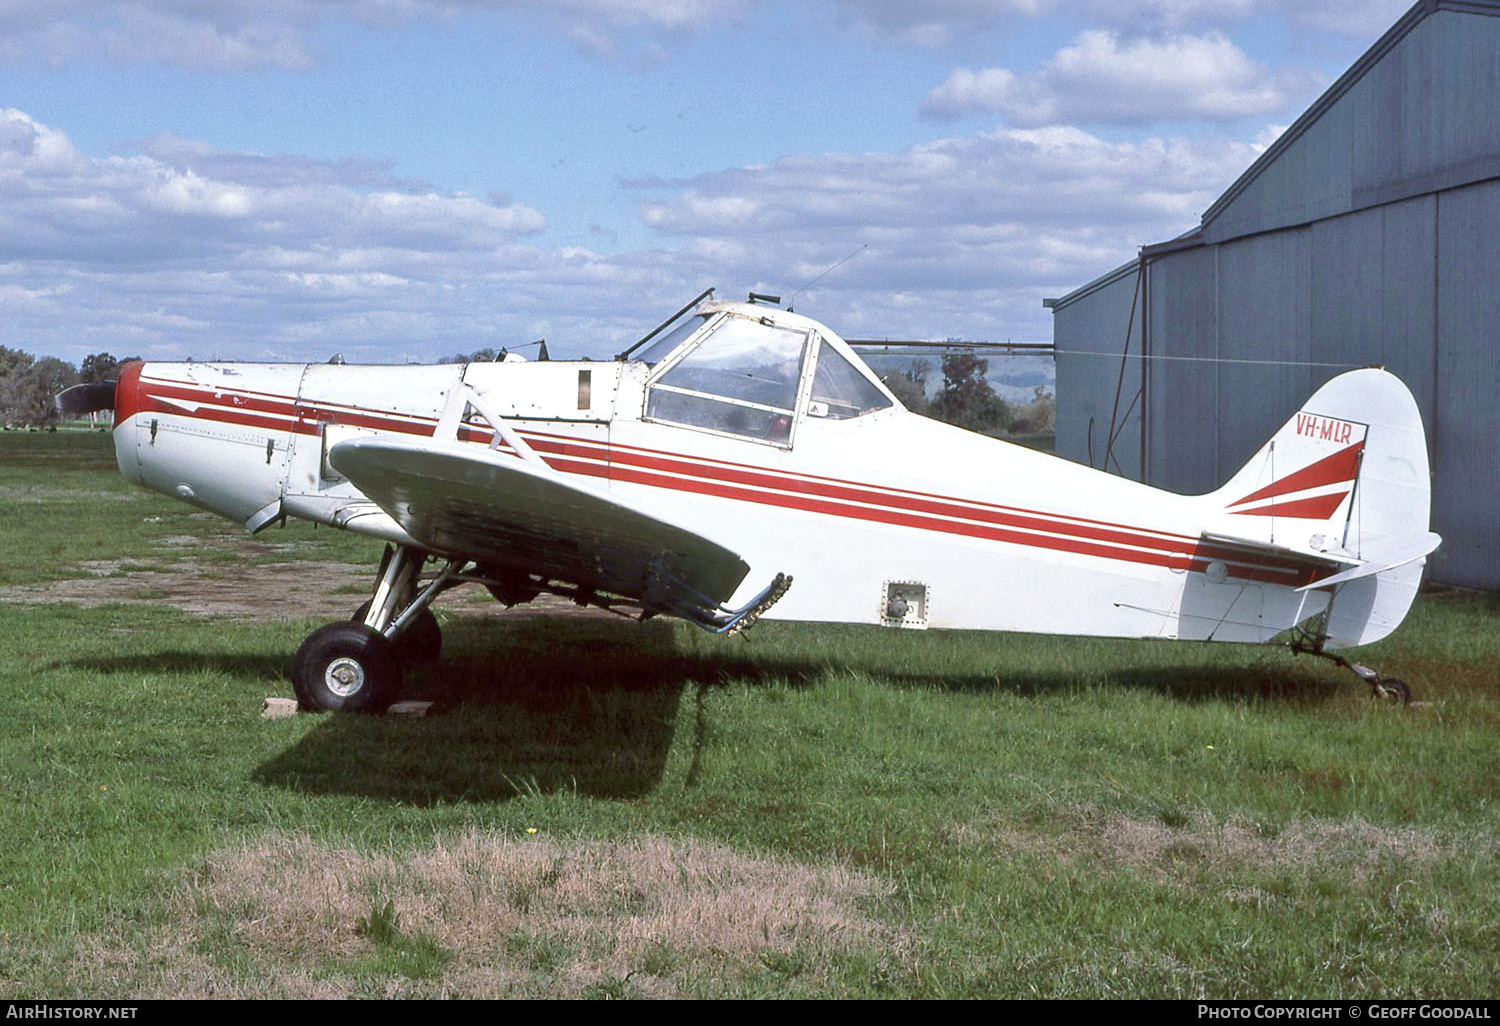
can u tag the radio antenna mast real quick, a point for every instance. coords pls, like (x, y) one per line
(851, 256)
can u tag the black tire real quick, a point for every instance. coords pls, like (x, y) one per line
(346, 667)
(1393, 689)
(421, 642)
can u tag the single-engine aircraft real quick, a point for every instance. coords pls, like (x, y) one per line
(742, 461)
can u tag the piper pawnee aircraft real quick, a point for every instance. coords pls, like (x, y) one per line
(742, 461)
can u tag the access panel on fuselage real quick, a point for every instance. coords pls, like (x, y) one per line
(213, 434)
(336, 402)
(562, 409)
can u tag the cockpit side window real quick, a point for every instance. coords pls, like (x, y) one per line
(741, 379)
(839, 391)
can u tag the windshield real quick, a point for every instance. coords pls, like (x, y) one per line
(660, 349)
(744, 359)
(741, 379)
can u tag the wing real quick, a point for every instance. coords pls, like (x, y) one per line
(503, 511)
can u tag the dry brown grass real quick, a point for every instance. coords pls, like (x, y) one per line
(1355, 848)
(490, 916)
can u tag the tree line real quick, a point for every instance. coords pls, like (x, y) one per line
(28, 384)
(968, 400)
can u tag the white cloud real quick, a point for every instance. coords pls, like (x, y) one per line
(939, 23)
(57, 201)
(236, 35)
(932, 23)
(1101, 78)
(671, 15)
(1170, 15)
(1024, 178)
(219, 35)
(269, 169)
(259, 248)
(1357, 18)
(980, 227)
(238, 255)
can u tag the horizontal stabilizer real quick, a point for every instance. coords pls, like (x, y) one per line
(1322, 557)
(1386, 554)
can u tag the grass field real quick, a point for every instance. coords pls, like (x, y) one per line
(604, 809)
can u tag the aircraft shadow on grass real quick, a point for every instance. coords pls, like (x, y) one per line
(523, 709)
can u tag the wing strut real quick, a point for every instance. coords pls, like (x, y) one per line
(465, 395)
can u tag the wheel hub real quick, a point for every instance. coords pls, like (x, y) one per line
(344, 676)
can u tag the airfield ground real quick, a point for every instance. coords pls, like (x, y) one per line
(246, 591)
(608, 809)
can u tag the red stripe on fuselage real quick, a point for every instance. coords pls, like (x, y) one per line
(222, 416)
(1194, 559)
(912, 503)
(705, 476)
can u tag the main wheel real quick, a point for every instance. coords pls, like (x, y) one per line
(421, 642)
(346, 667)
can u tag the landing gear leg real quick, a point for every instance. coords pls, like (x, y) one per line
(1387, 689)
(356, 665)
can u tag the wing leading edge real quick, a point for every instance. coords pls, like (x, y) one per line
(506, 512)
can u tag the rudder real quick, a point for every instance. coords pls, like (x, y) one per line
(1347, 476)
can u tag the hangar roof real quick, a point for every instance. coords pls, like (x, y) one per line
(1415, 16)
(1418, 13)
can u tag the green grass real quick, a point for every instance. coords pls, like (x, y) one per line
(604, 809)
(62, 501)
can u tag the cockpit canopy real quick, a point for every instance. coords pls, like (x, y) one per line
(737, 369)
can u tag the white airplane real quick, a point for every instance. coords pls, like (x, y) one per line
(743, 461)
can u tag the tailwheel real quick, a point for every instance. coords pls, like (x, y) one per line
(1391, 689)
(1387, 689)
(346, 667)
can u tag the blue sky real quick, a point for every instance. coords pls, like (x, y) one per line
(403, 179)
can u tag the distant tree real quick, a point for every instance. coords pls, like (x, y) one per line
(12, 360)
(478, 356)
(1038, 416)
(100, 367)
(967, 398)
(14, 365)
(27, 390)
(910, 386)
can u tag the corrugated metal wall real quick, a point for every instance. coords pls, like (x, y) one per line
(1088, 367)
(1372, 238)
(1467, 434)
(1183, 308)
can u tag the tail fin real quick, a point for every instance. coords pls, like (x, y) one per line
(1347, 479)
